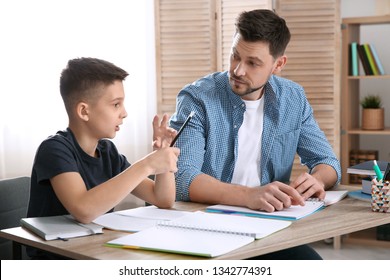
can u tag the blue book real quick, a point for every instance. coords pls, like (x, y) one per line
(355, 61)
(360, 195)
(377, 61)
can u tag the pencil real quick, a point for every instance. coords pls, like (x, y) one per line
(182, 127)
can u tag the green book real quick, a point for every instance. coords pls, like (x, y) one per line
(370, 59)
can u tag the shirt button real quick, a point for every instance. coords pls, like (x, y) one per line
(235, 126)
(242, 105)
(234, 106)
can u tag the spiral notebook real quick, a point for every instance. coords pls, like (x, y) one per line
(201, 234)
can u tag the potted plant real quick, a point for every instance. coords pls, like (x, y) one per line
(373, 115)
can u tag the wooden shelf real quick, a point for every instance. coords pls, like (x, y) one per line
(368, 77)
(367, 20)
(360, 131)
(350, 112)
(366, 237)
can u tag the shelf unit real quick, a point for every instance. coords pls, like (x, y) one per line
(350, 118)
(350, 85)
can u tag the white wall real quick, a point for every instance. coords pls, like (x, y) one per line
(38, 38)
(379, 35)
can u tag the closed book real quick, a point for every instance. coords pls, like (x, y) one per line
(367, 168)
(364, 60)
(355, 59)
(376, 59)
(59, 227)
(370, 59)
(366, 185)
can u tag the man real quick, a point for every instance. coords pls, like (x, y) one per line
(248, 125)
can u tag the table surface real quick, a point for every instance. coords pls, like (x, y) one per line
(346, 216)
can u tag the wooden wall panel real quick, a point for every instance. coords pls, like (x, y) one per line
(314, 60)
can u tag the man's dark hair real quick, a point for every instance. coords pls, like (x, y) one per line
(265, 26)
(83, 75)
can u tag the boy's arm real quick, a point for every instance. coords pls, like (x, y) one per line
(162, 191)
(86, 205)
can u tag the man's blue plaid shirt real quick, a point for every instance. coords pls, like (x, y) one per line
(209, 143)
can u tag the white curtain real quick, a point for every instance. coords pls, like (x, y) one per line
(38, 38)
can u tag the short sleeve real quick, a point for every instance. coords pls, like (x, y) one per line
(53, 158)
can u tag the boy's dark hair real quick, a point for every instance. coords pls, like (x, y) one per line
(266, 26)
(83, 75)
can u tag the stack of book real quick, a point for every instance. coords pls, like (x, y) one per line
(368, 57)
(357, 157)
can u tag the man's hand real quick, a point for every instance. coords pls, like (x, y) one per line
(274, 196)
(308, 185)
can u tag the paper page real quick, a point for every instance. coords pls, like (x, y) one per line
(124, 223)
(332, 197)
(256, 227)
(133, 220)
(176, 240)
(152, 212)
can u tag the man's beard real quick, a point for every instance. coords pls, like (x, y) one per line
(250, 90)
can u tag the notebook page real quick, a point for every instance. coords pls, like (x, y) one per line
(235, 224)
(177, 240)
(332, 197)
(136, 219)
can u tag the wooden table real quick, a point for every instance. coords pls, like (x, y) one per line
(346, 216)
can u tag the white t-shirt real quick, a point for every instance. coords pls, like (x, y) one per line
(247, 168)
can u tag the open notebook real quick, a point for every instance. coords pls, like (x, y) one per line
(201, 234)
(295, 212)
(136, 219)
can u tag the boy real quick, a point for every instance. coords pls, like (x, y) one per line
(79, 172)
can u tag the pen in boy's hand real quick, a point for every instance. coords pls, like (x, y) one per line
(182, 127)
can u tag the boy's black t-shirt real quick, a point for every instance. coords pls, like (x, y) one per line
(61, 153)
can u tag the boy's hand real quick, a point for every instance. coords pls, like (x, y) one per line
(163, 160)
(162, 133)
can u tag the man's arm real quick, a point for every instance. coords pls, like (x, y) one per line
(316, 152)
(271, 197)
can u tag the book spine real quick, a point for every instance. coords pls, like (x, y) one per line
(36, 230)
(377, 60)
(354, 57)
(370, 59)
(364, 60)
